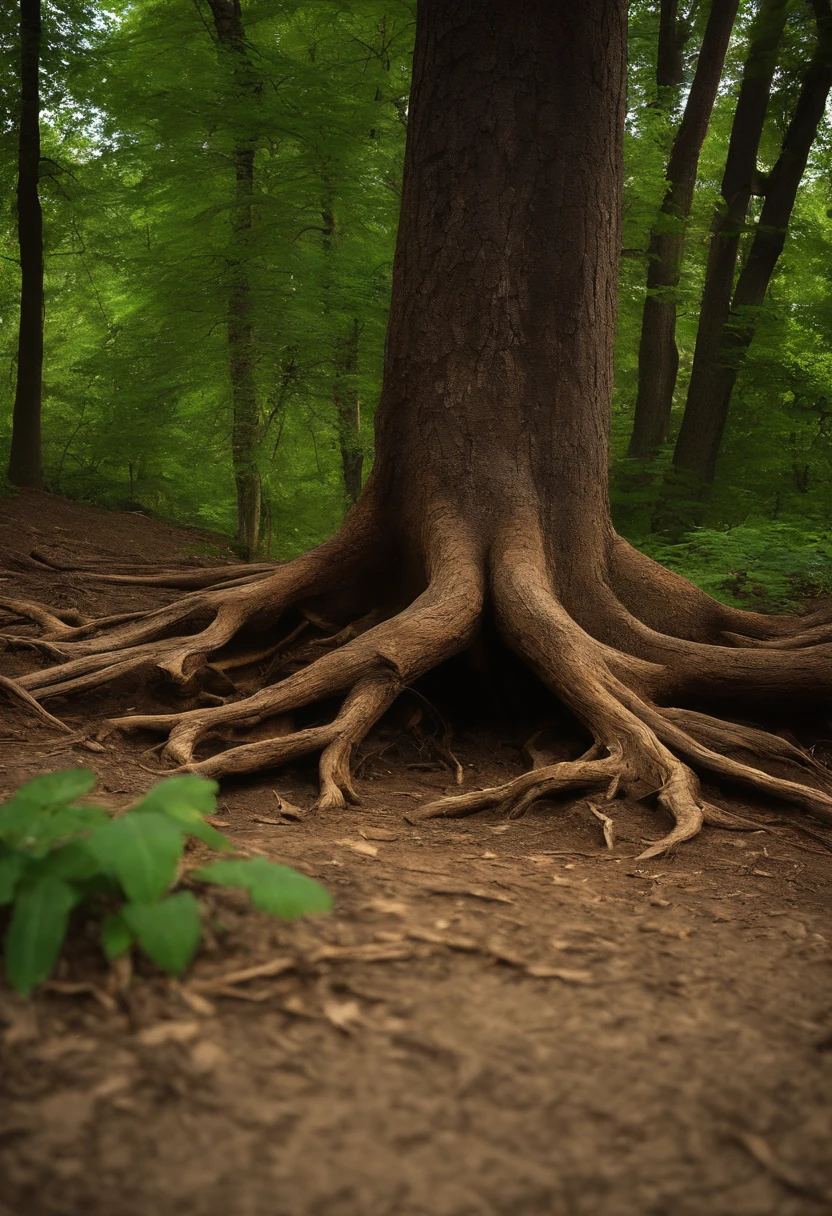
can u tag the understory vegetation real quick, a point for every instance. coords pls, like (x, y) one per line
(219, 219)
(124, 877)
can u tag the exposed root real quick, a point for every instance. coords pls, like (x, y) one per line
(613, 670)
(20, 694)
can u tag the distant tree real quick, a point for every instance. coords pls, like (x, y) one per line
(658, 359)
(25, 455)
(727, 322)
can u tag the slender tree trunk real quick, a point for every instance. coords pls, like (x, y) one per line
(669, 68)
(697, 444)
(658, 357)
(345, 365)
(348, 406)
(706, 415)
(25, 456)
(241, 329)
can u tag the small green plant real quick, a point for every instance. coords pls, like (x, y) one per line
(57, 853)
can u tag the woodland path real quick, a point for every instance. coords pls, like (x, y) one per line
(497, 1019)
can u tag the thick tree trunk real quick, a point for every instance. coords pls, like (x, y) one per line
(488, 498)
(25, 456)
(242, 334)
(658, 357)
(348, 407)
(697, 444)
(498, 369)
(707, 414)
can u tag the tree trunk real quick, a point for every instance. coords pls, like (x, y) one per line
(345, 365)
(25, 455)
(348, 406)
(658, 357)
(488, 499)
(669, 67)
(697, 444)
(706, 415)
(242, 335)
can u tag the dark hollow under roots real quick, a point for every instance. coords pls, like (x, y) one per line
(643, 642)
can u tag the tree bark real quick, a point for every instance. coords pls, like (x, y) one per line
(697, 444)
(658, 357)
(669, 68)
(488, 499)
(241, 329)
(707, 414)
(25, 455)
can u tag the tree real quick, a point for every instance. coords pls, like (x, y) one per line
(658, 357)
(25, 455)
(488, 498)
(242, 341)
(739, 182)
(726, 338)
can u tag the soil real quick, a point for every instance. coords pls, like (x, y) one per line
(498, 1018)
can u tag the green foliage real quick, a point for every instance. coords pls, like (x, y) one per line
(139, 125)
(762, 565)
(56, 855)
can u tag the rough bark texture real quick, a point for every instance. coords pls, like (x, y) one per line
(25, 456)
(658, 357)
(696, 447)
(242, 338)
(488, 498)
(707, 412)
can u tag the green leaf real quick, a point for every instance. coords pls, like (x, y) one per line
(168, 931)
(142, 850)
(273, 888)
(56, 789)
(49, 829)
(11, 868)
(187, 799)
(73, 862)
(37, 930)
(116, 935)
(189, 793)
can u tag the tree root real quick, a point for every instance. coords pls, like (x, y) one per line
(616, 669)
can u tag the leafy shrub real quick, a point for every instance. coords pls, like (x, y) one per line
(57, 853)
(768, 565)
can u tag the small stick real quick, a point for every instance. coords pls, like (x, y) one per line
(609, 826)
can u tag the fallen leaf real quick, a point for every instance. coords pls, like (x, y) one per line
(343, 1015)
(391, 907)
(111, 1086)
(168, 1032)
(569, 975)
(378, 834)
(359, 846)
(207, 1056)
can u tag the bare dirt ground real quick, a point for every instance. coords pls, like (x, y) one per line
(498, 1018)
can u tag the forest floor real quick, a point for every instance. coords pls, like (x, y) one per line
(498, 1018)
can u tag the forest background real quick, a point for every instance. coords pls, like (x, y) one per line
(220, 188)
